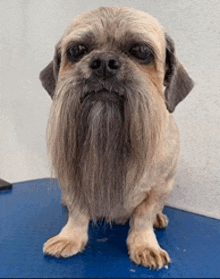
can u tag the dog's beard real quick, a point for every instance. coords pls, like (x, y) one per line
(101, 154)
(100, 147)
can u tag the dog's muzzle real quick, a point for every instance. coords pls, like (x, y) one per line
(103, 83)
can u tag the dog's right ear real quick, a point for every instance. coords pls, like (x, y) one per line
(49, 74)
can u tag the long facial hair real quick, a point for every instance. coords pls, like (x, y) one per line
(101, 145)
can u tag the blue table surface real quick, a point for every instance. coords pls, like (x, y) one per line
(31, 213)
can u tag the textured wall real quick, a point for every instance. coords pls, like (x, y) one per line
(29, 31)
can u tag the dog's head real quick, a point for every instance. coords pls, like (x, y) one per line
(113, 79)
(109, 48)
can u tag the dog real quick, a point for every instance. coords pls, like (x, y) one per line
(114, 81)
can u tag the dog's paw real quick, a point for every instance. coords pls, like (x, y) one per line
(64, 247)
(150, 257)
(144, 249)
(161, 221)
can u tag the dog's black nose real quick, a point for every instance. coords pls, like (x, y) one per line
(105, 65)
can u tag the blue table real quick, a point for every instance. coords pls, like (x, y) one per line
(31, 213)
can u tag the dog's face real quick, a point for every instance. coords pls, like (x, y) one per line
(131, 44)
(113, 79)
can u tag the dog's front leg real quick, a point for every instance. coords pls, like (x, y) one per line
(143, 247)
(71, 240)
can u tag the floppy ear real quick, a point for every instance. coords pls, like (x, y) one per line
(177, 82)
(49, 74)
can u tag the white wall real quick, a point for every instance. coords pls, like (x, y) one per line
(29, 31)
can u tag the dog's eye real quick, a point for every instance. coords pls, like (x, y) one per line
(142, 52)
(76, 52)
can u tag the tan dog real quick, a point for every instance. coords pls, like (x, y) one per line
(113, 142)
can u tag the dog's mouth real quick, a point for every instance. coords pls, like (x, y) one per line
(102, 95)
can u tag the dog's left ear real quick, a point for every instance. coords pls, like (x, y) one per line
(177, 82)
(49, 74)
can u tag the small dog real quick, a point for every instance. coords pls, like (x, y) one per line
(113, 142)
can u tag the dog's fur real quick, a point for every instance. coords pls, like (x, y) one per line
(112, 138)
